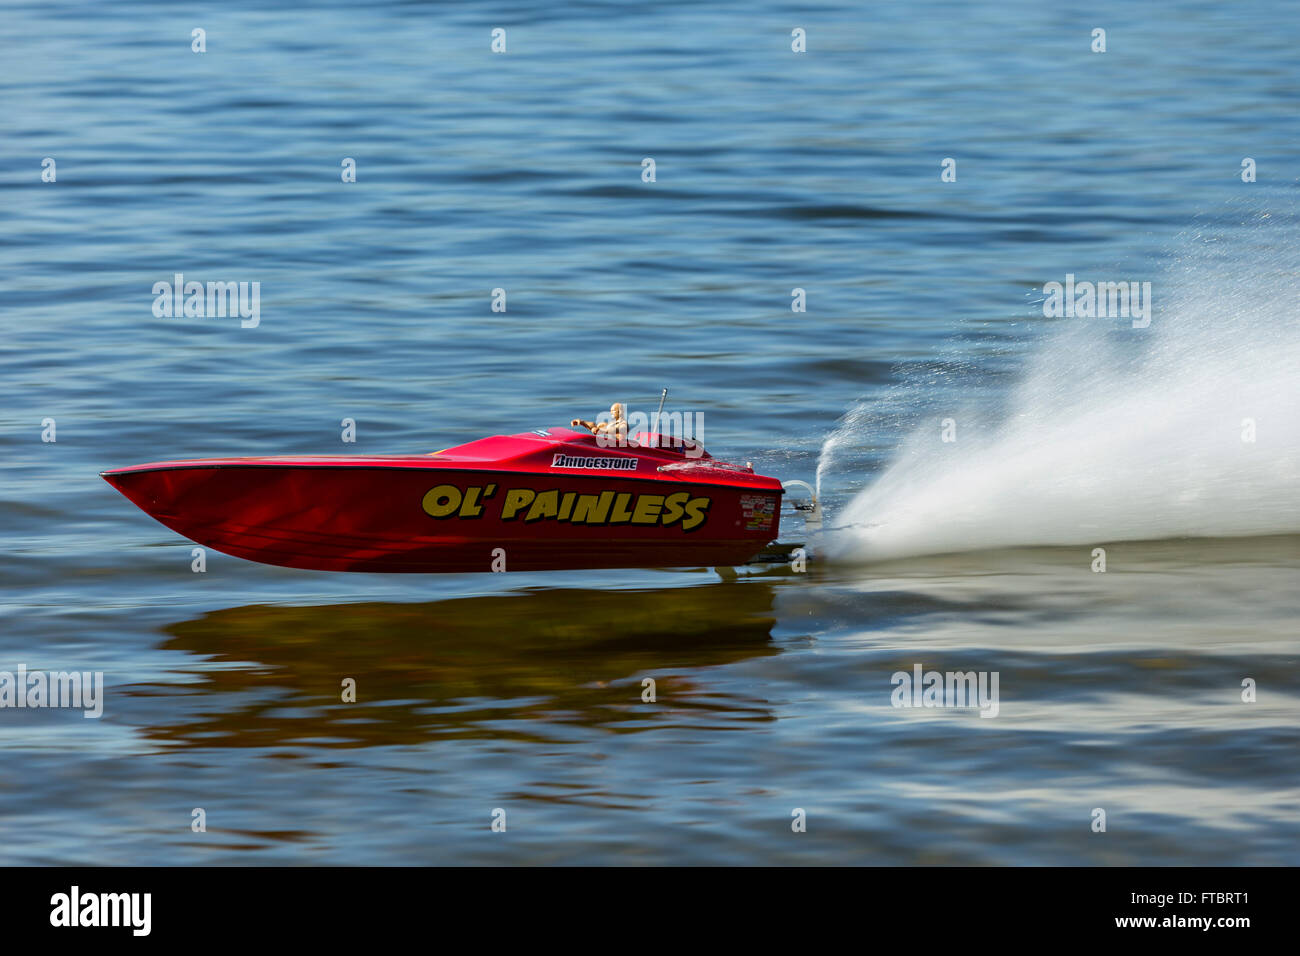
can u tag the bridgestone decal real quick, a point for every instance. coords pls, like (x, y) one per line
(601, 464)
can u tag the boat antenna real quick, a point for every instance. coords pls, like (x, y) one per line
(659, 414)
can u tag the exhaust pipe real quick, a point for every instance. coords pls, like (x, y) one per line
(812, 509)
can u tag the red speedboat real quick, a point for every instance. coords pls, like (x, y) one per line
(549, 499)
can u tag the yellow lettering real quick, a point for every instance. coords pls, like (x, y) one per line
(621, 514)
(442, 501)
(676, 507)
(545, 505)
(592, 510)
(471, 508)
(695, 513)
(647, 509)
(516, 500)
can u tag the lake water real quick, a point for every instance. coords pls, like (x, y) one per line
(774, 171)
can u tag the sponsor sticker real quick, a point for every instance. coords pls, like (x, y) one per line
(759, 511)
(594, 463)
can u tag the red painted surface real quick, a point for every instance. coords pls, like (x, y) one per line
(551, 501)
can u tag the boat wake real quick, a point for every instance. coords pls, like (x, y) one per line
(1189, 427)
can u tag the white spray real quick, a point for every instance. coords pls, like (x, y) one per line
(1190, 427)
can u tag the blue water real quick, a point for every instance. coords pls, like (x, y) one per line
(523, 171)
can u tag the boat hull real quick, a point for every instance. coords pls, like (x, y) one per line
(430, 517)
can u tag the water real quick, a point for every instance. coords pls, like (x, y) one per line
(1113, 434)
(774, 171)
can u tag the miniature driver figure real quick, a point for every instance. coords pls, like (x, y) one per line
(612, 432)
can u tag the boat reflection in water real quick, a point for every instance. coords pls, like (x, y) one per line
(515, 666)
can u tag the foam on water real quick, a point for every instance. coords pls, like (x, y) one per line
(1115, 433)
